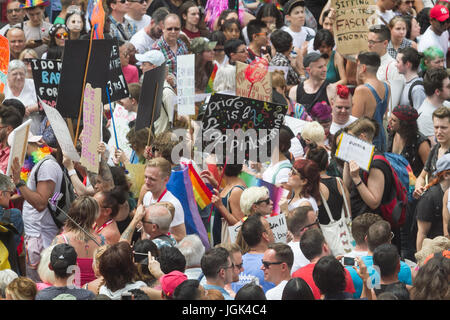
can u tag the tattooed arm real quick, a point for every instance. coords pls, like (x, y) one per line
(128, 233)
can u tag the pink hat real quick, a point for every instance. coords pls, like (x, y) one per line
(439, 12)
(170, 281)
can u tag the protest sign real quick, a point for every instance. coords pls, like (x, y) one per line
(277, 224)
(353, 148)
(186, 84)
(227, 122)
(4, 61)
(117, 86)
(18, 144)
(260, 89)
(46, 76)
(92, 126)
(61, 132)
(351, 25)
(150, 99)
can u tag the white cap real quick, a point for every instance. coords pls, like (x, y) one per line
(155, 57)
(31, 138)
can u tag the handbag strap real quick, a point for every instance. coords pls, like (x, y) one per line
(327, 209)
(347, 211)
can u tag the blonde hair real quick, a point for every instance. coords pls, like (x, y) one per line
(21, 288)
(314, 132)
(363, 125)
(28, 51)
(161, 163)
(44, 272)
(249, 196)
(278, 80)
(97, 254)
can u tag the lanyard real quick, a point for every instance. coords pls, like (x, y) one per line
(162, 195)
(107, 223)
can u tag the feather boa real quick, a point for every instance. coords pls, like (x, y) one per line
(32, 159)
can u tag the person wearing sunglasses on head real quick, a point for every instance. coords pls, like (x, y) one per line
(120, 28)
(137, 13)
(14, 15)
(277, 263)
(58, 33)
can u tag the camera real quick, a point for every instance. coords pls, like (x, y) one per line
(348, 261)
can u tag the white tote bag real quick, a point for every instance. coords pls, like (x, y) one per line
(337, 233)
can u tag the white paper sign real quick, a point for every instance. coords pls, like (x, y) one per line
(186, 84)
(277, 224)
(61, 131)
(19, 144)
(352, 148)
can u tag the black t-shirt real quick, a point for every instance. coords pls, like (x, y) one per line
(51, 293)
(310, 99)
(398, 289)
(429, 209)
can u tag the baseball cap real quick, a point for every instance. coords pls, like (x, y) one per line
(31, 138)
(439, 12)
(443, 163)
(313, 57)
(63, 256)
(201, 44)
(170, 281)
(155, 57)
(291, 4)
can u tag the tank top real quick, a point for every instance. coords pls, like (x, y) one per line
(332, 72)
(380, 110)
(335, 201)
(308, 100)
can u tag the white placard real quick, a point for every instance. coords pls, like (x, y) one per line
(296, 125)
(19, 142)
(277, 224)
(186, 84)
(352, 148)
(61, 131)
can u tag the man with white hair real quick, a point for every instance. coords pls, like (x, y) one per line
(193, 249)
(156, 223)
(256, 200)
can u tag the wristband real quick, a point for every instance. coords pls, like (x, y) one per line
(71, 172)
(21, 183)
(357, 185)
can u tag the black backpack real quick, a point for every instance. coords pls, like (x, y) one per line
(415, 83)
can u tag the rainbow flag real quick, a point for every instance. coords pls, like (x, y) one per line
(34, 3)
(202, 193)
(275, 193)
(210, 85)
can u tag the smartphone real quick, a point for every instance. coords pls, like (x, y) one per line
(347, 261)
(126, 296)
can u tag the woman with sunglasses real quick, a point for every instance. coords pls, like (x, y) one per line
(58, 33)
(25, 57)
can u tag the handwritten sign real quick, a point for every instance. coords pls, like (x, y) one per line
(261, 90)
(117, 86)
(186, 84)
(61, 131)
(352, 148)
(18, 145)
(246, 127)
(46, 76)
(92, 126)
(277, 224)
(352, 25)
(4, 61)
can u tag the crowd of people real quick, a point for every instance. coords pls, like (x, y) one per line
(119, 243)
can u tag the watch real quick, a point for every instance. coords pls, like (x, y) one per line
(21, 183)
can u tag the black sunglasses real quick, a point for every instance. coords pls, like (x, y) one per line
(312, 224)
(266, 201)
(267, 264)
(173, 29)
(139, 1)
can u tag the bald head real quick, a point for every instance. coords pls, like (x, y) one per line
(159, 217)
(16, 39)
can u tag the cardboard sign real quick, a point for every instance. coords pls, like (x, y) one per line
(261, 90)
(186, 84)
(277, 224)
(226, 114)
(150, 99)
(101, 72)
(92, 126)
(352, 148)
(4, 61)
(351, 25)
(61, 131)
(46, 76)
(19, 144)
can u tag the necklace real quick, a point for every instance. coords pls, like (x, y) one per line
(32, 159)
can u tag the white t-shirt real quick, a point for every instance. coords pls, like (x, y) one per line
(299, 258)
(335, 127)
(387, 16)
(388, 69)
(282, 175)
(297, 203)
(425, 120)
(429, 38)
(178, 218)
(41, 224)
(142, 41)
(140, 23)
(299, 37)
(277, 292)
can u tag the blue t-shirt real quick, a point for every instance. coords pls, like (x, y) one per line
(252, 263)
(404, 275)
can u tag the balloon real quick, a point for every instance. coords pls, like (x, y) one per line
(257, 70)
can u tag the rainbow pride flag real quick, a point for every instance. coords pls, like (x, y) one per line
(34, 3)
(275, 193)
(210, 85)
(202, 193)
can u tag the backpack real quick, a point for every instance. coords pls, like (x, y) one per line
(415, 83)
(61, 201)
(395, 210)
(404, 172)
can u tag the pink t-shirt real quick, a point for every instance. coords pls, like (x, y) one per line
(131, 73)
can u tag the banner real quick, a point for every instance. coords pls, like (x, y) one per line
(353, 148)
(61, 132)
(186, 85)
(260, 90)
(46, 76)
(277, 224)
(4, 62)
(92, 126)
(19, 144)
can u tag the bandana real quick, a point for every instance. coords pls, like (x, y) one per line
(406, 113)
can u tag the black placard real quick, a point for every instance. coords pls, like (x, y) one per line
(151, 97)
(46, 76)
(232, 112)
(103, 71)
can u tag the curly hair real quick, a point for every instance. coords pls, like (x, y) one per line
(431, 282)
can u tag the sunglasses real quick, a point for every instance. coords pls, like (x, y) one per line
(219, 50)
(267, 264)
(61, 35)
(266, 201)
(138, 1)
(122, 1)
(311, 225)
(173, 29)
